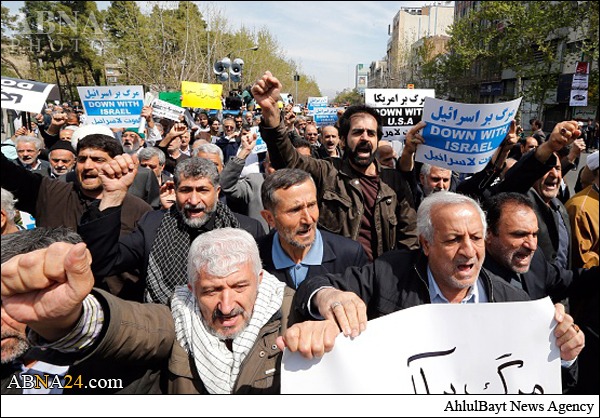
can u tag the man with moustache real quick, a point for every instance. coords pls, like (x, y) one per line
(158, 247)
(449, 268)
(358, 199)
(553, 219)
(132, 140)
(330, 141)
(512, 251)
(297, 249)
(55, 203)
(61, 158)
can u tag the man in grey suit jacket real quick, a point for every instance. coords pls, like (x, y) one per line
(297, 249)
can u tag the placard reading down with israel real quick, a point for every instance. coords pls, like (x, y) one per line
(463, 137)
(114, 106)
(459, 349)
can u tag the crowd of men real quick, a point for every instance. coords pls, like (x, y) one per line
(181, 260)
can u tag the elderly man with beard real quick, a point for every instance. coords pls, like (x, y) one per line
(62, 158)
(358, 199)
(158, 247)
(297, 249)
(224, 332)
(132, 140)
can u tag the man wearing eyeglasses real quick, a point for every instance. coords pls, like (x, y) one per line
(358, 198)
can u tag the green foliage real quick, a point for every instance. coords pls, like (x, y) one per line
(349, 98)
(524, 37)
(69, 43)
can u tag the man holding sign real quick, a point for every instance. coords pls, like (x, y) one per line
(449, 269)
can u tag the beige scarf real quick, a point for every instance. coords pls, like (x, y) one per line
(217, 365)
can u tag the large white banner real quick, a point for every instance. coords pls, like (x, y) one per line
(485, 348)
(463, 137)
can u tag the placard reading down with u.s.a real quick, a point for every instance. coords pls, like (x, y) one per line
(463, 137)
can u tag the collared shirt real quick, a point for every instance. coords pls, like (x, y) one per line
(476, 294)
(44, 370)
(299, 271)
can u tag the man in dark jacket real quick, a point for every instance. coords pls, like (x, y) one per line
(513, 253)
(297, 249)
(449, 269)
(158, 247)
(358, 198)
(54, 202)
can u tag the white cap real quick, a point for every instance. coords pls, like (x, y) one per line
(592, 161)
(86, 130)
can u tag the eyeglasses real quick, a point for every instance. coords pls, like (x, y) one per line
(229, 127)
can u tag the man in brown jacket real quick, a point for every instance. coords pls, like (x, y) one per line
(358, 198)
(224, 332)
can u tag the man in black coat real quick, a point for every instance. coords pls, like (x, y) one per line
(158, 247)
(513, 253)
(297, 249)
(447, 269)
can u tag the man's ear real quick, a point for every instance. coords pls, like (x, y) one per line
(424, 245)
(4, 218)
(268, 216)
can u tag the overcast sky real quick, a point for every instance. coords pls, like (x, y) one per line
(326, 38)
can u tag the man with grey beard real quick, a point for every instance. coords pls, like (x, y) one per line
(131, 140)
(158, 247)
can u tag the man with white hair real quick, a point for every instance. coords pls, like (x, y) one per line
(28, 152)
(224, 332)
(8, 213)
(447, 269)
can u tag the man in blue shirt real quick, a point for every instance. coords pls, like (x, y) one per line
(297, 249)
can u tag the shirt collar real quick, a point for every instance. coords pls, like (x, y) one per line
(476, 294)
(314, 257)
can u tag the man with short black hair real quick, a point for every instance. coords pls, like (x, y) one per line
(296, 249)
(358, 199)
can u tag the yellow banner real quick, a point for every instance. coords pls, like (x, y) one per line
(205, 96)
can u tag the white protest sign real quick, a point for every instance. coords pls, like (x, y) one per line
(400, 109)
(166, 110)
(114, 106)
(463, 137)
(483, 348)
(25, 95)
